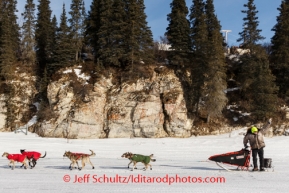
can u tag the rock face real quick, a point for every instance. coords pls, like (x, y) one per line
(147, 108)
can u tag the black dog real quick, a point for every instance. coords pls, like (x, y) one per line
(32, 156)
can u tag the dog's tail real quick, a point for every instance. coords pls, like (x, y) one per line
(44, 155)
(92, 153)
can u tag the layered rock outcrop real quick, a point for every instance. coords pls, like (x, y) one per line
(152, 107)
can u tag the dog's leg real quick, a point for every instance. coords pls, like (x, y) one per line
(82, 164)
(25, 164)
(150, 166)
(71, 165)
(75, 162)
(77, 165)
(35, 162)
(146, 166)
(9, 164)
(13, 165)
(91, 164)
(30, 163)
(134, 164)
(129, 164)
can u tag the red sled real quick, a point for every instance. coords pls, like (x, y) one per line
(238, 158)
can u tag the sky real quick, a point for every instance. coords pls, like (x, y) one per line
(228, 13)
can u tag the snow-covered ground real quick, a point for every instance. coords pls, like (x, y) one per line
(176, 159)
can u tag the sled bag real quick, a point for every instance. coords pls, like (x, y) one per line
(267, 162)
(238, 158)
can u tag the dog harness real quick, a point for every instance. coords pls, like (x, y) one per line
(16, 157)
(78, 155)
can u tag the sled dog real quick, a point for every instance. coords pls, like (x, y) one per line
(135, 158)
(75, 157)
(32, 157)
(15, 158)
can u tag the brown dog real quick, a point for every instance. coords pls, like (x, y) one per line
(15, 158)
(134, 158)
(75, 157)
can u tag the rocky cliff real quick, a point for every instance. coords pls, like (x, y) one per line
(152, 107)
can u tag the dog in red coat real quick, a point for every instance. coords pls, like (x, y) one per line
(15, 158)
(32, 156)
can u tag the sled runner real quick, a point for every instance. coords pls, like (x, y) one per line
(238, 158)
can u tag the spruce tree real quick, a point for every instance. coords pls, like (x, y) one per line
(258, 84)
(178, 33)
(280, 50)
(43, 36)
(256, 80)
(215, 79)
(131, 44)
(138, 36)
(118, 27)
(77, 24)
(64, 51)
(9, 38)
(199, 42)
(103, 49)
(9, 52)
(118, 33)
(145, 37)
(44, 46)
(52, 40)
(92, 27)
(28, 34)
(250, 35)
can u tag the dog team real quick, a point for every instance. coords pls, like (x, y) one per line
(33, 156)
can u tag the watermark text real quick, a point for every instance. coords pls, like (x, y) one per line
(138, 178)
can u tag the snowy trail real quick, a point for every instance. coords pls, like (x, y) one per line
(174, 157)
